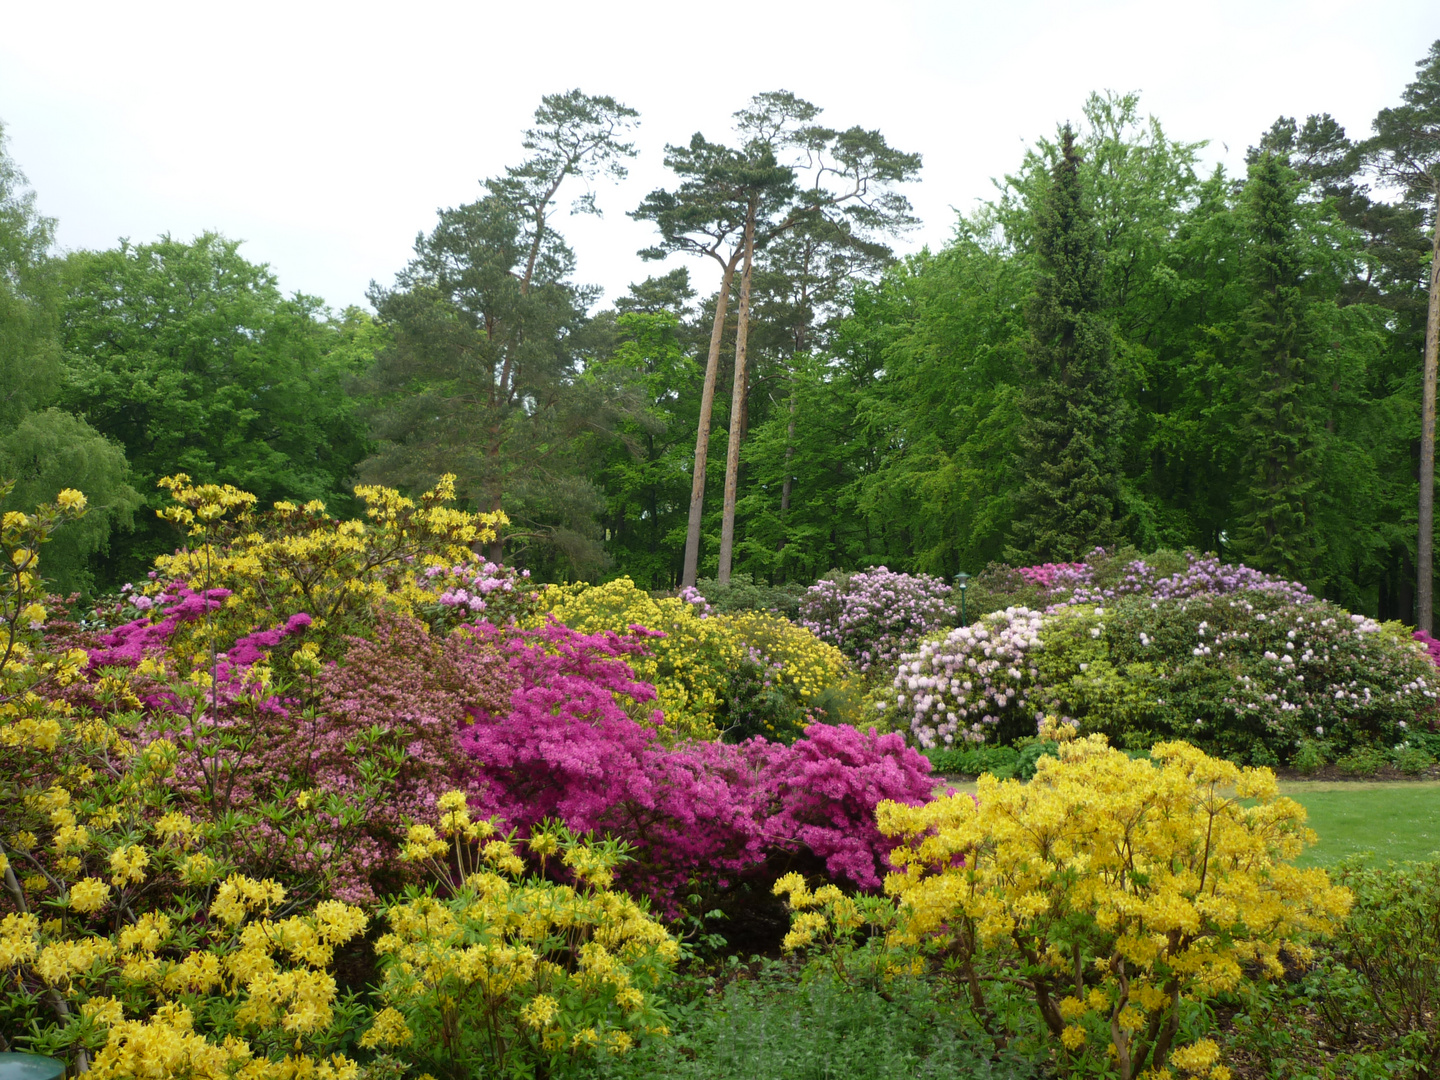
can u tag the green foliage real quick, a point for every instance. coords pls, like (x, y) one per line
(1391, 944)
(1412, 760)
(1312, 756)
(481, 378)
(49, 450)
(1361, 761)
(772, 1021)
(1071, 413)
(1002, 762)
(1275, 497)
(189, 357)
(42, 448)
(744, 593)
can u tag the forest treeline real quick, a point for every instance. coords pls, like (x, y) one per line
(1120, 347)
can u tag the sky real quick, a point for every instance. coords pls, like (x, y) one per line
(326, 135)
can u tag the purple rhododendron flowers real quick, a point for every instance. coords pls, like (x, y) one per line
(873, 616)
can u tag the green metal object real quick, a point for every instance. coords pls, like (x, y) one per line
(30, 1067)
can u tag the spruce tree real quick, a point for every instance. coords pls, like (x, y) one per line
(1071, 414)
(1274, 508)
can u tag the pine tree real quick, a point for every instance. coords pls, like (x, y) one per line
(1273, 516)
(1068, 499)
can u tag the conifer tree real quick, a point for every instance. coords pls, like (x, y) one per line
(1273, 519)
(1067, 501)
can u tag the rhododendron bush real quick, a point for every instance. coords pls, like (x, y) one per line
(872, 616)
(1223, 657)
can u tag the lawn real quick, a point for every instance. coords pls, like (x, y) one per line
(1394, 820)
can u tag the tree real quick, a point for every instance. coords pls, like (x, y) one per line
(753, 198)
(711, 213)
(1070, 407)
(1405, 151)
(189, 357)
(488, 333)
(1274, 515)
(42, 448)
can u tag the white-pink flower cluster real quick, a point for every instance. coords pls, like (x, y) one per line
(961, 686)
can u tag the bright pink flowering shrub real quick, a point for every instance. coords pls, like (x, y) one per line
(545, 723)
(1432, 645)
(567, 747)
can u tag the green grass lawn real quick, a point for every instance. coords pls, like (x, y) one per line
(1396, 821)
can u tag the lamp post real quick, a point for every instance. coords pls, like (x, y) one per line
(962, 582)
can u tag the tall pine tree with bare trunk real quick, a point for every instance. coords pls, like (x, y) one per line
(1405, 151)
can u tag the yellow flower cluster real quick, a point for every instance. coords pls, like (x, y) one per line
(299, 559)
(811, 669)
(1120, 887)
(691, 666)
(529, 968)
(166, 1045)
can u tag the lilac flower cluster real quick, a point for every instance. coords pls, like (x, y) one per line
(499, 594)
(1096, 582)
(962, 685)
(691, 595)
(873, 616)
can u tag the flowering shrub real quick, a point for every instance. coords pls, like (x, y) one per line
(1431, 644)
(968, 683)
(151, 954)
(1248, 673)
(1120, 891)
(787, 679)
(295, 559)
(1107, 575)
(511, 973)
(872, 616)
(567, 748)
(740, 675)
(689, 667)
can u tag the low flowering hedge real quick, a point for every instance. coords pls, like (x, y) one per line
(1248, 673)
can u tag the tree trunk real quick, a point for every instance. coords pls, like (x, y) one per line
(1424, 549)
(789, 455)
(737, 406)
(702, 435)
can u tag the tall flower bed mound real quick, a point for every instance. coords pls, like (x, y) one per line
(872, 616)
(1233, 661)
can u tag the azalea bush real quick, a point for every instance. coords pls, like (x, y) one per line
(493, 971)
(787, 679)
(872, 616)
(128, 944)
(737, 675)
(1122, 894)
(689, 666)
(700, 815)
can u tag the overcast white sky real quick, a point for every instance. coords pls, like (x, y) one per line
(325, 135)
